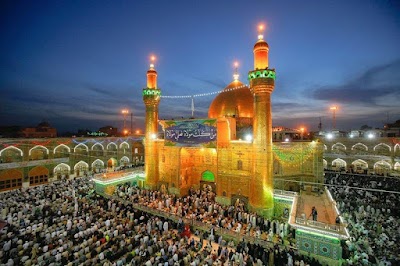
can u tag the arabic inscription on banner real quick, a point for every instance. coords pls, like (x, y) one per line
(191, 133)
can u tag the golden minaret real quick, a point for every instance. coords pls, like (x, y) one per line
(151, 99)
(262, 83)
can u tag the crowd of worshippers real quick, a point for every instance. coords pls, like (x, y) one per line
(372, 213)
(200, 205)
(67, 223)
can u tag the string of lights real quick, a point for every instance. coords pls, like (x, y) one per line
(203, 94)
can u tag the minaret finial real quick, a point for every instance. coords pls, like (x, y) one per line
(236, 74)
(261, 29)
(152, 61)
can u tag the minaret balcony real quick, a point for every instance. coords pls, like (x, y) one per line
(151, 96)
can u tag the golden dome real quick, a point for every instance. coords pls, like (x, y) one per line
(236, 102)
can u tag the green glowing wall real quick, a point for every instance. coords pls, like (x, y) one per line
(318, 244)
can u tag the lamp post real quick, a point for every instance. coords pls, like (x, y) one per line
(334, 108)
(302, 133)
(124, 112)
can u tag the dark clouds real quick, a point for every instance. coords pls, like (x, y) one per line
(377, 82)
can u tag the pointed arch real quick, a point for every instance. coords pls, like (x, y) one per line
(325, 163)
(383, 144)
(38, 175)
(81, 144)
(325, 147)
(10, 179)
(98, 144)
(61, 145)
(383, 163)
(85, 164)
(36, 147)
(112, 162)
(13, 148)
(124, 159)
(61, 165)
(359, 145)
(112, 144)
(339, 163)
(97, 161)
(337, 145)
(360, 163)
(208, 176)
(125, 143)
(396, 147)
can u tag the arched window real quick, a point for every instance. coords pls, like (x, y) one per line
(325, 164)
(62, 169)
(97, 165)
(61, 151)
(112, 146)
(97, 150)
(11, 154)
(81, 168)
(359, 147)
(339, 164)
(208, 176)
(338, 146)
(382, 167)
(383, 147)
(397, 167)
(81, 149)
(359, 166)
(124, 160)
(38, 152)
(38, 175)
(10, 179)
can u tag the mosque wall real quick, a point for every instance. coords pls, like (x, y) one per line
(28, 162)
(362, 155)
(234, 169)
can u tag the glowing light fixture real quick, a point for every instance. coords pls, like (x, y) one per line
(249, 137)
(329, 136)
(261, 31)
(286, 139)
(371, 136)
(334, 109)
(152, 61)
(153, 136)
(236, 74)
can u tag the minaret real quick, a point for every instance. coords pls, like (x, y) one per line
(262, 82)
(151, 99)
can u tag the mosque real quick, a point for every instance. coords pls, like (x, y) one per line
(231, 151)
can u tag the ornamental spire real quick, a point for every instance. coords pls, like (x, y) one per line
(152, 74)
(152, 61)
(236, 74)
(261, 28)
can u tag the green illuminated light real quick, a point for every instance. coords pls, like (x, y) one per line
(317, 234)
(266, 73)
(147, 92)
(208, 176)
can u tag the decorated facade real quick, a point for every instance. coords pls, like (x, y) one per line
(362, 155)
(231, 151)
(30, 162)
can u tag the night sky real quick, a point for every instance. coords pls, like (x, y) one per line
(76, 64)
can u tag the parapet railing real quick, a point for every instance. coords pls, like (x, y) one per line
(285, 193)
(320, 225)
(119, 174)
